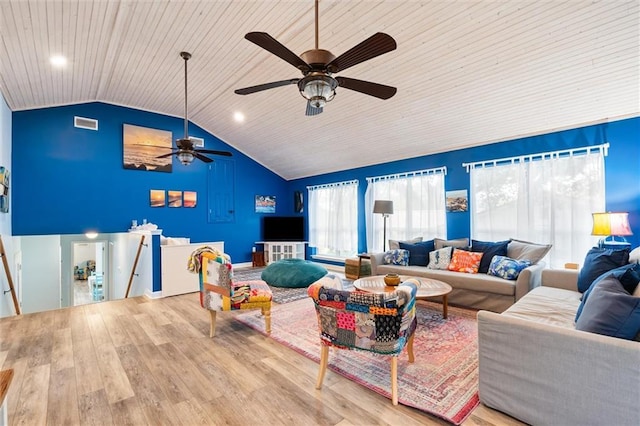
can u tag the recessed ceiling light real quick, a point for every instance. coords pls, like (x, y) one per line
(58, 61)
(238, 116)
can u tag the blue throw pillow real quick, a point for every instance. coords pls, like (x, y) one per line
(488, 250)
(611, 311)
(507, 268)
(597, 262)
(396, 257)
(618, 273)
(418, 252)
(630, 277)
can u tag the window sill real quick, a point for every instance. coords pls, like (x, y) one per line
(328, 258)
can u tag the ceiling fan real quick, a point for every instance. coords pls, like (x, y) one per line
(185, 151)
(317, 66)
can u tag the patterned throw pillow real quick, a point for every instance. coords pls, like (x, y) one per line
(439, 259)
(465, 261)
(397, 257)
(507, 268)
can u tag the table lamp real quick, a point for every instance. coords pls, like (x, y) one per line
(385, 208)
(611, 225)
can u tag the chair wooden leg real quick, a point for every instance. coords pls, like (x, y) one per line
(394, 380)
(212, 328)
(267, 318)
(410, 348)
(324, 358)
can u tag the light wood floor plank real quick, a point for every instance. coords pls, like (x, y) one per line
(191, 413)
(167, 379)
(62, 351)
(94, 408)
(142, 382)
(128, 412)
(88, 379)
(62, 404)
(119, 336)
(114, 378)
(32, 402)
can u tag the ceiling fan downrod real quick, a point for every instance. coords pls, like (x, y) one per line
(186, 56)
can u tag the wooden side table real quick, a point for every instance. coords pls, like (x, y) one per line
(257, 259)
(360, 257)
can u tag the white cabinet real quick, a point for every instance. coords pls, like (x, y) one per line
(276, 250)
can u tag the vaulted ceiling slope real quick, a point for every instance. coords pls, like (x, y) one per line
(467, 72)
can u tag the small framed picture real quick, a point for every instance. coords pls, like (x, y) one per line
(265, 203)
(189, 199)
(457, 201)
(175, 198)
(156, 198)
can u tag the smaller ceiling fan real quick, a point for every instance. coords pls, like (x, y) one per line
(317, 65)
(185, 151)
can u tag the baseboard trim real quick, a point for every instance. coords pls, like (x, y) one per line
(153, 294)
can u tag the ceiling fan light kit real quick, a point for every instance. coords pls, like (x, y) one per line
(317, 85)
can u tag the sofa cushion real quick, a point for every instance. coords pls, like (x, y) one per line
(395, 244)
(525, 250)
(597, 262)
(418, 252)
(618, 273)
(611, 310)
(465, 261)
(547, 305)
(397, 257)
(488, 250)
(458, 243)
(507, 268)
(634, 256)
(440, 259)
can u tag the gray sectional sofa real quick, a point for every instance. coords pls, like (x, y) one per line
(477, 291)
(535, 366)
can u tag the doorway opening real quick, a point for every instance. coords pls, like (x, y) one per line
(89, 263)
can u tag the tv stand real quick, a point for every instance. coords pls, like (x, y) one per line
(276, 250)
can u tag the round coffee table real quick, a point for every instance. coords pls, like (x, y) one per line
(427, 288)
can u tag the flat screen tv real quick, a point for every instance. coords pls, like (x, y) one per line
(283, 228)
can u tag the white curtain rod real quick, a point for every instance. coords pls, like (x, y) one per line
(327, 185)
(433, 171)
(604, 148)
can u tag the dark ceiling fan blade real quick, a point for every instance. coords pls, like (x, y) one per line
(376, 45)
(311, 110)
(214, 152)
(368, 88)
(260, 87)
(269, 43)
(202, 157)
(166, 155)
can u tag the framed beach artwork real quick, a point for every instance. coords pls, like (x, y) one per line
(142, 146)
(265, 203)
(457, 201)
(156, 198)
(175, 198)
(189, 199)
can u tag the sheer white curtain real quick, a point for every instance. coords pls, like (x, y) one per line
(418, 206)
(333, 219)
(545, 199)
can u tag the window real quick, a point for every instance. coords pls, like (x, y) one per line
(543, 198)
(333, 219)
(418, 206)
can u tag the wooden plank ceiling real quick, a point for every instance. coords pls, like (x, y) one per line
(467, 72)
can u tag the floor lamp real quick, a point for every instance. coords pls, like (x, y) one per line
(385, 208)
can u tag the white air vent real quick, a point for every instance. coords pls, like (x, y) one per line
(85, 123)
(197, 142)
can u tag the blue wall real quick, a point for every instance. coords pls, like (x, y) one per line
(67, 180)
(622, 170)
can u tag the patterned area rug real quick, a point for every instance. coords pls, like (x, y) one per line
(280, 294)
(442, 381)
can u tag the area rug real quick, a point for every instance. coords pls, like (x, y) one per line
(442, 381)
(280, 294)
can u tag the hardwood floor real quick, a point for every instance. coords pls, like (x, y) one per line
(139, 361)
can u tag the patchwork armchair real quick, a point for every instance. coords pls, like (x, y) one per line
(218, 291)
(379, 323)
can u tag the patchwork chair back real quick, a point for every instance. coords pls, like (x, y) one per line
(379, 323)
(218, 291)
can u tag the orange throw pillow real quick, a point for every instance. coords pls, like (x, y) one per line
(465, 261)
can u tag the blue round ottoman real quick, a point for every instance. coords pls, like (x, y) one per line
(293, 273)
